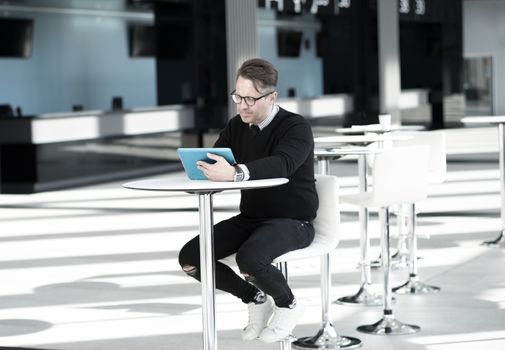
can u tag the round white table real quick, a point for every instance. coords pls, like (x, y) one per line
(204, 189)
(359, 139)
(499, 121)
(378, 129)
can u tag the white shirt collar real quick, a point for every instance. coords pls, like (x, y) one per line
(269, 118)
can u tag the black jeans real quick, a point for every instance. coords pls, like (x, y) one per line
(257, 243)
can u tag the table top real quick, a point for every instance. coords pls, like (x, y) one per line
(361, 139)
(337, 152)
(491, 119)
(200, 186)
(377, 128)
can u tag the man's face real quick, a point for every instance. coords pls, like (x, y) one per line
(261, 108)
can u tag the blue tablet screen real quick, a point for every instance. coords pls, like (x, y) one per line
(189, 157)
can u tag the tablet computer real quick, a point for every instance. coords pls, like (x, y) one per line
(189, 157)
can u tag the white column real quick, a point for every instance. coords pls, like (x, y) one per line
(241, 39)
(389, 59)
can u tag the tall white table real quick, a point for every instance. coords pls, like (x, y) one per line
(359, 140)
(333, 147)
(378, 129)
(499, 121)
(364, 296)
(204, 189)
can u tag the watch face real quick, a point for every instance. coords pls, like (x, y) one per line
(238, 177)
(239, 174)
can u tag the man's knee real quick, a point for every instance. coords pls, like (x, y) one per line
(190, 270)
(249, 264)
(186, 265)
(187, 262)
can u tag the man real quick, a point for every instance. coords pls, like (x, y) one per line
(267, 142)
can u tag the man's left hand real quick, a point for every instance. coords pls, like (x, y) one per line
(221, 170)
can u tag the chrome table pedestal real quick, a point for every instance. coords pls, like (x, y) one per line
(204, 189)
(500, 121)
(501, 143)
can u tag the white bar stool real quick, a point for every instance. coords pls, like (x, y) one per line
(326, 239)
(437, 170)
(399, 176)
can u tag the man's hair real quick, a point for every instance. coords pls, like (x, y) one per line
(261, 72)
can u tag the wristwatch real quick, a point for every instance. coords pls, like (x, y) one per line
(239, 173)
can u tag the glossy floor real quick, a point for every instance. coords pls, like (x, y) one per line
(96, 268)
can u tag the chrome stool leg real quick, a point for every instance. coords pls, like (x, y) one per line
(285, 344)
(388, 325)
(364, 296)
(414, 285)
(327, 337)
(400, 259)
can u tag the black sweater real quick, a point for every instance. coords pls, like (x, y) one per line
(285, 148)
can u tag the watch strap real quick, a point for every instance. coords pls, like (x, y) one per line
(239, 173)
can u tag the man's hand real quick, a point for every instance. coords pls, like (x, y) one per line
(221, 170)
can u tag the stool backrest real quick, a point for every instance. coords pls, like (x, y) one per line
(435, 140)
(400, 176)
(326, 224)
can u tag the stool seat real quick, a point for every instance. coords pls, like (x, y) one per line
(367, 199)
(316, 248)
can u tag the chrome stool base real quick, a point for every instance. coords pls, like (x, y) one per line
(363, 297)
(327, 338)
(324, 341)
(388, 325)
(414, 286)
(290, 339)
(495, 241)
(285, 344)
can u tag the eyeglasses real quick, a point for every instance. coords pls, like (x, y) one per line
(249, 100)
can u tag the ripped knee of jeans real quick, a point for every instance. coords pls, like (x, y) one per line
(190, 270)
(249, 278)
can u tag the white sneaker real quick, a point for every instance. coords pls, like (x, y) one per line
(259, 314)
(282, 323)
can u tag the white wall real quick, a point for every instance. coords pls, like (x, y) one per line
(484, 35)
